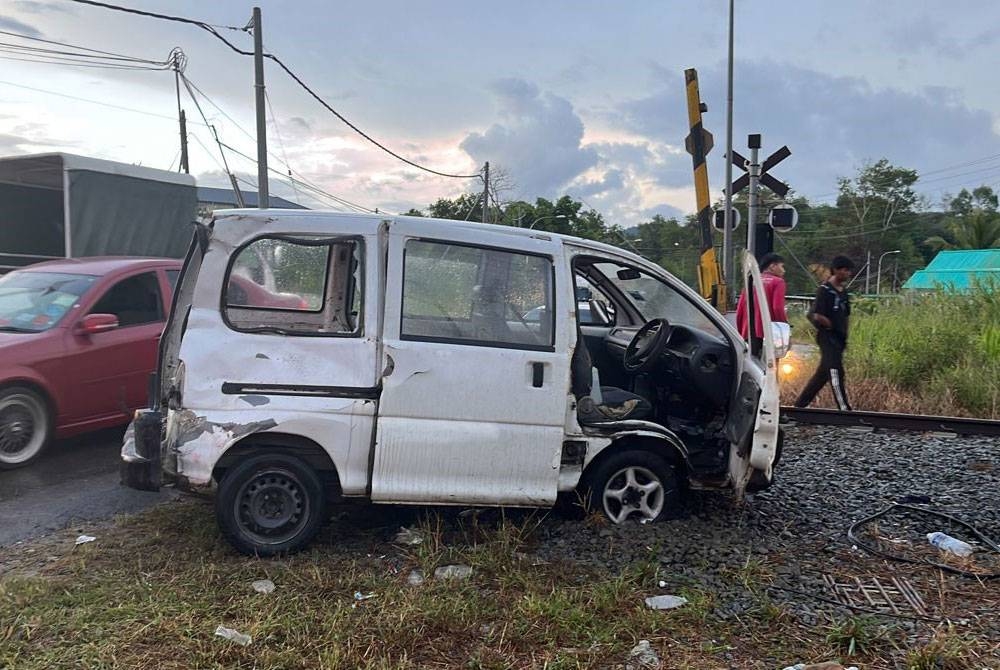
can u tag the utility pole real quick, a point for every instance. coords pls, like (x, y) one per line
(184, 145)
(753, 170)
(486, 192)
(258, 84)
(728, 270)
(178, 60)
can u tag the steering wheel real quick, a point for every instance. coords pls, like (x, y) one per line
(646, 346)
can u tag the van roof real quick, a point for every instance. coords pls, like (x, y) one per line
(432, 225)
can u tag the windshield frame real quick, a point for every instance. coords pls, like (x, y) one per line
(56, 276)
(623, 292)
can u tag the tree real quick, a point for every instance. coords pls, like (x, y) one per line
(878, 195)
(972, 223)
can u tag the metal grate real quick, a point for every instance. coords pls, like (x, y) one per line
(895, 596)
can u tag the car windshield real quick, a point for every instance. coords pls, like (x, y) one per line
(31, 302)
(656, 299)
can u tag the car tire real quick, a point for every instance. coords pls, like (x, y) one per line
(638, 485)
(25, 426)
(270, 505)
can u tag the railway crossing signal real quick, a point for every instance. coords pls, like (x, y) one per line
(760, 236)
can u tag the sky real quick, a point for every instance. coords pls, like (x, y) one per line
(577, 97)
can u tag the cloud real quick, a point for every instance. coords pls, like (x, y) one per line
(613, 180)
(832, 124)
(16, 26)
(538, 139)
(35, 7)
(926, 34)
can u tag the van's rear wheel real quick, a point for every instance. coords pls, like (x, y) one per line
(270, 504)
(637, 485)
(25, 426)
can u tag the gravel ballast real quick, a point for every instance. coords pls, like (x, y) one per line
(795, 531)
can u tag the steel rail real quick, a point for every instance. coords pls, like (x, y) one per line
(890, 421)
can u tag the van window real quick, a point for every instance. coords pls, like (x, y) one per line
(293, 286)
(479, 296)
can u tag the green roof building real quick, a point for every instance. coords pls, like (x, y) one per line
(959, 271)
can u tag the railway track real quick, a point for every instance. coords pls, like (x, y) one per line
(890, 421)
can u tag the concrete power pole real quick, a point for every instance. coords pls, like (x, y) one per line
(728, 268)
(184, 167)
(258, 84)
(486, 192)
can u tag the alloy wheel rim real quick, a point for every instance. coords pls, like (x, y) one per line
(22, 428)
(633, 492)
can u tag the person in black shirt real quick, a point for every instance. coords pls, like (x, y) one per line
(829, 313)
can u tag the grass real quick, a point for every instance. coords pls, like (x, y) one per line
(151, 591)
(924, 353)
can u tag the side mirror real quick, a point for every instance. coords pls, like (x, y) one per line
(96, 323)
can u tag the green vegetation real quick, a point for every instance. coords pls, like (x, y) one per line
(942, 348)
(151, 592)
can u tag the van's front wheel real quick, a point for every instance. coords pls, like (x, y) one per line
(635, 485)
(270, 504)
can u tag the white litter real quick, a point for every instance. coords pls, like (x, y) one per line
(84, 539)
(665, 602)
(264, 586)
(233, 635)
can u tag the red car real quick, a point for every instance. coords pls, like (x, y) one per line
(78, 341)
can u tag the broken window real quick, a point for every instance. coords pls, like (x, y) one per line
(296, 286)
(475, 295)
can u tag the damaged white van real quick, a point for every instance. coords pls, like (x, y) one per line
(312, 357)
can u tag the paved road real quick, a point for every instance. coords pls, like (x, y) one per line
(75, 481)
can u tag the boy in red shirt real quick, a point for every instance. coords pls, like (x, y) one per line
(772, 272)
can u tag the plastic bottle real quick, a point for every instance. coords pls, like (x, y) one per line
(950, 544)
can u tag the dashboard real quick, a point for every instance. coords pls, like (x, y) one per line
(690, 356)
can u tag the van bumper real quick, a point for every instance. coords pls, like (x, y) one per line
(141, 466)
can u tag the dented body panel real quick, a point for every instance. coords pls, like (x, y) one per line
(481, 413)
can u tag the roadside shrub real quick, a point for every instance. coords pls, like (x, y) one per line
(933, 344)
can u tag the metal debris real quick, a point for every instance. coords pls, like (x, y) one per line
(890, 597)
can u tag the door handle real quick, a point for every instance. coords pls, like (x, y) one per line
(537, 374)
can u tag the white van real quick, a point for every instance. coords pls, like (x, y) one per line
(312, 357)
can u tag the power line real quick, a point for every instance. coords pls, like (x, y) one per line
(294, 181)
(306, 185)
(93, 102)
(211, 29)
(281, 142)
(107, 54)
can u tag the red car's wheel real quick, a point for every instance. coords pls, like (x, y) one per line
(25, 426)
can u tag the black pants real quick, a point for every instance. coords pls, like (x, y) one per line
(831, 369)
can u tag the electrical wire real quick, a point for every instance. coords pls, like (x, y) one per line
(281, 142)
(211, 29)
(298, 181)
(306, 185)
(96, 52)
(94, 102)
(852, 536)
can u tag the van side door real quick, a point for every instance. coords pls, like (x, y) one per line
(474, 395)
